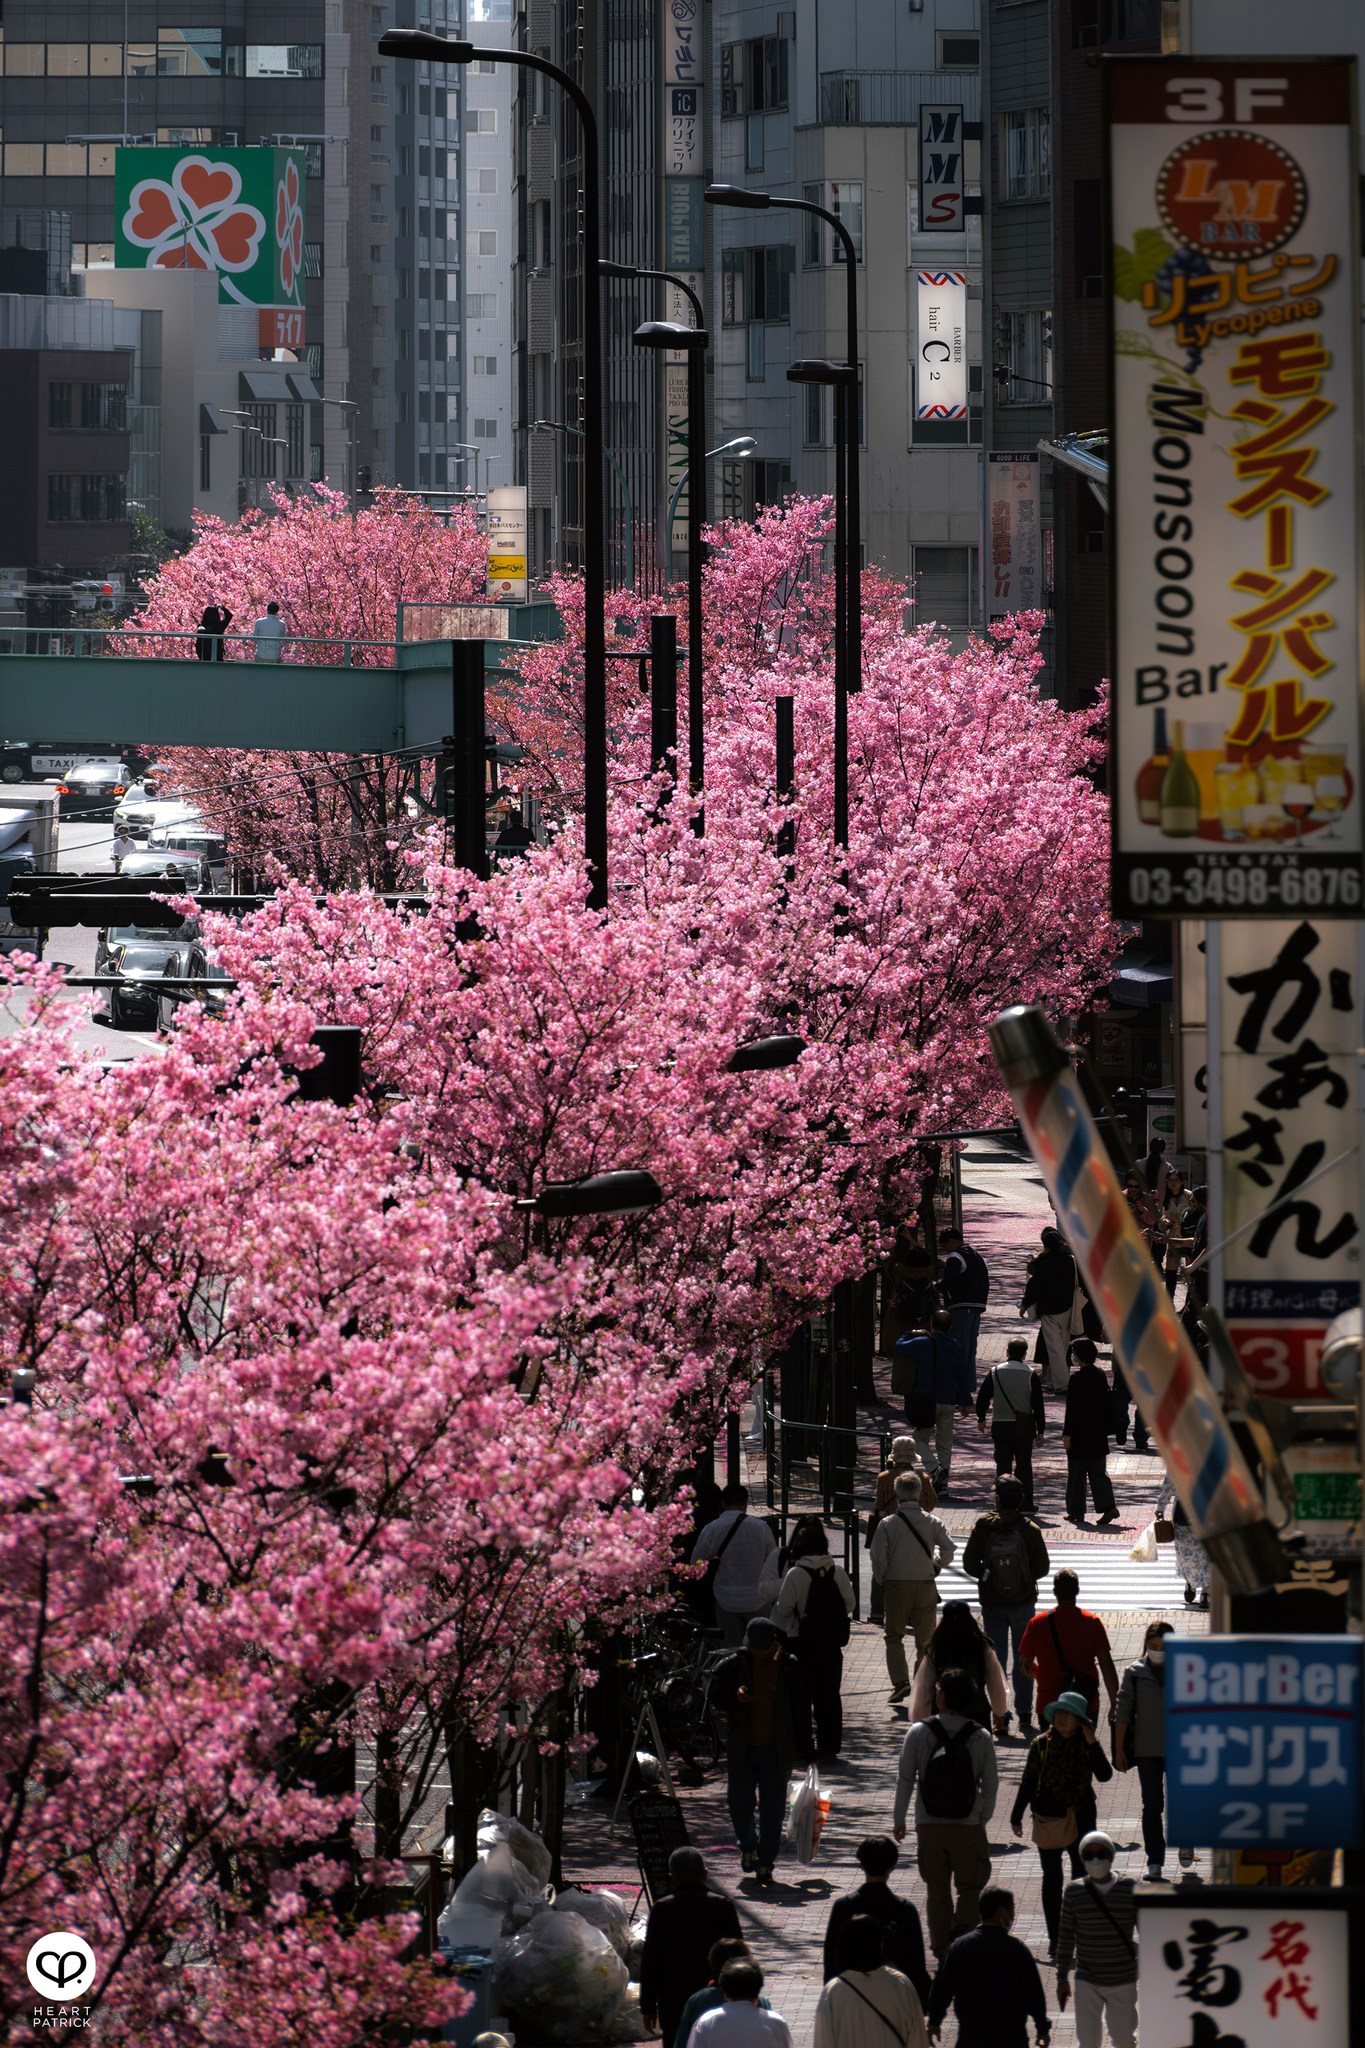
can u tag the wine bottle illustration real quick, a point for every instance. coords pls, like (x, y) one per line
(1178, 805)
(1152, 772)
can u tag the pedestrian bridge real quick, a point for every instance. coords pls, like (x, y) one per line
(324, 696)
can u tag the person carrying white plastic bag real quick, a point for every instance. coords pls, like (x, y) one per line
(807, 1812)
(760, 1691)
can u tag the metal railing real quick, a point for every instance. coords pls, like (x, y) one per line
(125, 642)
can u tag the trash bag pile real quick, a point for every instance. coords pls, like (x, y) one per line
(564, 1968)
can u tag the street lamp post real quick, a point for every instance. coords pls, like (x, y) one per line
(562, 427)
(352, 407)
(470, 448)
(421, 44)
(669, 335)
(739, 450)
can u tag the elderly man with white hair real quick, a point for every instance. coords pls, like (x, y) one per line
(909, 1550)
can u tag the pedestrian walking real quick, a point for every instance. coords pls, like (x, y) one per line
(678, 1939)
(761, 1691)
(930, 1369)
(1155, 1171)
(730, 1950)
(904, 1458)
(1050, 1290)
(958, 1644)
(121, 848)
(1068, 1650)
(741, 1544)
(908, 1551)
(1140, 1742)
(1142, 1204)
(812, 1609)
(1086, 1423)
(902, 1935)
(1006, 1555)
(964, 1285)
(1099, 1915)
(947, 1765)
(1123, 1399)
(1196, 1228)
(268, 634)
(991, 1982)
(740, 2021)
(1191, 1558)
(1061, 1770)
(213, 624)
(1169, 1242)
(907, 1287)
(1012, 1393)
(866, 2001)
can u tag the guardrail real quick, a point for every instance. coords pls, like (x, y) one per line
(124, 642)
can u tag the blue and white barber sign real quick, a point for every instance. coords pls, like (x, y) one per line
(1263, 1741)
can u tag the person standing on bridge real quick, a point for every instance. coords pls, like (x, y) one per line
(212, 626)
(268, 634)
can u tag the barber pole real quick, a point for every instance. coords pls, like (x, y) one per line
(1170, 1386)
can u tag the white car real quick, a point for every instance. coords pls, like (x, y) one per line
(143, 816)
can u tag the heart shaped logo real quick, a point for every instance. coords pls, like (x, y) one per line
(234, 236)
(60, 1967)
(61, 1964)
(155, 215)
(204, 186)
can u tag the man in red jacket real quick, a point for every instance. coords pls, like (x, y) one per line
(1068, 1650)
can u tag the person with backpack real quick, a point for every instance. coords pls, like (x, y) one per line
(958, 1644)
(867, 2004)
(813, 1607)
(761, 1692)
(1006, 1555)
(947, 1765)
(1061, 1771)
(964, 1285)
(930, 1370)
(1013, 1393)
(1099, 1921)
(898, 1918)
(735, 1548)
(908, 1552)
(1086, 1423)
(1068, 1650)
(1050, 1285)
(1140, 1738)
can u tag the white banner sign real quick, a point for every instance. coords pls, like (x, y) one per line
(1217, 1968)
(675, 443)
(1015, 581)
(507, 543)
(941, 353)
(684, 32)
(942, 170)
(1236, 475)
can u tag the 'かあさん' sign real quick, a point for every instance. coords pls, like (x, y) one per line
(1236, 486)
(1224, 1968)
(1263, 1738)
(238, 212)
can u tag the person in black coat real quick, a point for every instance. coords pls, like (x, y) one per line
(677, 1951)
(212, 626)
(762, 1693)
(1085, 1436)
(991, 1982)
(902, 1935)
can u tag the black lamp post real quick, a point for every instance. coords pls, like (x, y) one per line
(672, 334)
(841, 376)
(419, 44)
(628, 1192)
(761, 202)
(766, 1055)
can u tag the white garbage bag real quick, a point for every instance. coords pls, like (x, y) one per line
(561, 1979)
(627, 2023)
(524, 1843)
(605, 1912)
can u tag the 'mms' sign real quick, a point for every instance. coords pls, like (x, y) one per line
(1263, 1741)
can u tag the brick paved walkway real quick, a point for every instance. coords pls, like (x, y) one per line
(1005, 1207)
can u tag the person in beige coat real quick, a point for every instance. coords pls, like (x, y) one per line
(904, 1459)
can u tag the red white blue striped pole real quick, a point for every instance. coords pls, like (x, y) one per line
(1169, 1384)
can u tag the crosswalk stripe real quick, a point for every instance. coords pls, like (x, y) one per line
(1110, 1582)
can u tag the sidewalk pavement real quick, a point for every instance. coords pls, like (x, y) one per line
(1005, 1207)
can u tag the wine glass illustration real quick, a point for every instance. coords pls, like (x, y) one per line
(1296, 799)
(1330, 802)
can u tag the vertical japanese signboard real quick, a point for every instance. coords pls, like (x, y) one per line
(1291, 1022)
(682, 30)
(507, 543)
(941, 353)
(1236, 503)
(942, 171)
(1227, 1968)
(1015, 583)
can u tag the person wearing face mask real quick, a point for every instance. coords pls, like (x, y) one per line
(991, 1982)
(1140, 1739)
(1058, 1784)
(1098, 1930)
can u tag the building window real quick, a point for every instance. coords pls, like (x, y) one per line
(141, 60)
(755, 352)
(258, 446)
(23, 159)
(945, 586)
(1023, 357)
(822, 245)
(68, 60)
(1025, 165)
(756, 285)
(485, 366)
(312, 259)
(24, 60)
(814, 434)
(92, 499)
(206, 462)
(189, 138)
(104, 408)
(484, 242)
(772, 483)
(106, 60)
(485, 430)
(480, 120)
(481, 305)
(959, 53)
(189, 53)
(92, 255)
(483, 181)
(284, 60)
(293, 434)
(60, 413)
(753, 76)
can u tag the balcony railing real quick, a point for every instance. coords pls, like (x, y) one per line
(892, 99)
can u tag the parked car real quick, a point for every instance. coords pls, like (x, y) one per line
(140, 967)
(205, 977)
(142, 815)
(92, 789)
(16, 938)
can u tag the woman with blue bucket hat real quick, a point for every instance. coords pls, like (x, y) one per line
(1062, 1768)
